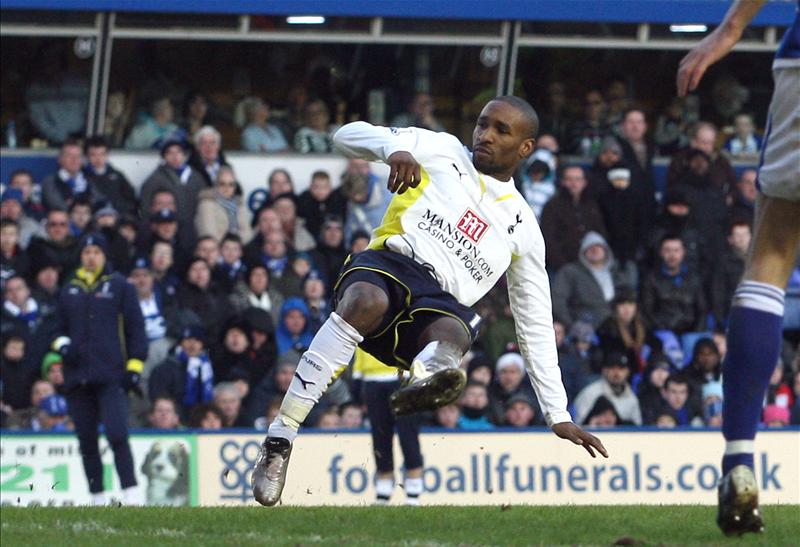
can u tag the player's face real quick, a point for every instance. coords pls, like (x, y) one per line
(500, 140)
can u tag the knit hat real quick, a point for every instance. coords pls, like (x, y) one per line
(14, 194)
(625, 294)
(712, 389)
(610, 143)
(615, 359)
(170, 142)
(510, 360)
(140, 263)
(51, 358)
(106, 210)
(97, 239)
(582, 331)
(164, 215)
(775, 413)
(54, 405)
(194, 331)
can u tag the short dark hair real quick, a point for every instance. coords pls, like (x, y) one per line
(526, 109)
(198, 414)
(230, 237)
(95, 141)
(320, 174)
(71, 142)
(676, 378)
(163, 398)
(670, 237)
(17, 172)
(632, 109)
(736, 223)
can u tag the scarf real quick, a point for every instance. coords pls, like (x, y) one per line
(276, 265)
(232, 210)
(28, 313)
(183, 172)
(77, 184)
(199, 378)
(262, 301)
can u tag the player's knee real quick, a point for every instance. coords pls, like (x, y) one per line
(446, 329)
(363, 306)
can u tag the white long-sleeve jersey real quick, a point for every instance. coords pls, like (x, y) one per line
(471, 228)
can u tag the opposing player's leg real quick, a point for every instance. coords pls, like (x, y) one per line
(360, 311)
(754, 339)
(437, 378)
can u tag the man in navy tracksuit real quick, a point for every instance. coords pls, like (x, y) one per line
(104, 346)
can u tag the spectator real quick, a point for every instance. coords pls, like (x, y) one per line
(712, 404)
(584, 289)
(275, 256)
(80, 215)
(315, 135)
(474, 404)
(587, 134)
(206, 416)
(121, 252)
(314, 296)
(176, 176)
(672, 296)
(220, 210)
(163, 414)
(776, 416)
(520, 412)
(603, 414)
(420, 114)
(509, 376)
(195, 112)
(608, 156)
(260, 135)
(294, 329)
(61, 188)
(109, 182)
(728, 271)
(568, 217)
(229, 270)
(637, 153)
(154, 312)
(186, 376)
(744, 142)
(627, 213)
(207, 156)
(22, 180)
(266, 222)
(671, 128)
(329, 255)
(293, 227)
(614, 386)
(481, 369)
(261, 330)
(778, 392)
(23, 315)
(359, 241)
(674, 220)
(538, 183)
(625, 329)
(448, 416)
(703, 137)
(13, 260)
(579, 357)
(161, 262)
(743, 203)
(17, 372)
(164, 227)
(367, 199)
(207, 248)
(45, 284)
(27, 418)
(320, 201)
(233, 357)
(256, 292)
(229, 400)
(351, 416)
(160, 200)
(678, 402)
(556, 118)
(328, 419)
(52, 415)
(53, 370)
(651, 387)
(273, 387)
(198, 295)
(12, 210)
(795, 417)
(279, 182)
(155, 129)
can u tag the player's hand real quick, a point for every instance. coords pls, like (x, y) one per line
(403, 172)
(711, 49)
(571, 432)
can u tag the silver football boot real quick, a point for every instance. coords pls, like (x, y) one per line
(738, 511)
(433, 384)
(269, 471)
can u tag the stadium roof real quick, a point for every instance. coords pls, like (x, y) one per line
(776, 12)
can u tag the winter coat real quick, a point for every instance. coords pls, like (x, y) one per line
(727, 274)
(165, 178)
(674, 303)
(564, 223)
(314, 212)
(211, 218)
(114, 186)
(722, 174)
(287, 341)
(44, 251)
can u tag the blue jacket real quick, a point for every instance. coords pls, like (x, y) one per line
(105, 324)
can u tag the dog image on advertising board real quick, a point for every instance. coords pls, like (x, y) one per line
(167, 470)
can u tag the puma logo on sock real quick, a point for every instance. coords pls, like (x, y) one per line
(304, 382)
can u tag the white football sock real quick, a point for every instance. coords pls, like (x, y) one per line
(384, 488)
(99, 498)
(132, 496)
(413, 489)
(331, 349)
(434, 357)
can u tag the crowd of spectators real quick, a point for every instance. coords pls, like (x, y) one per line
(231, 298)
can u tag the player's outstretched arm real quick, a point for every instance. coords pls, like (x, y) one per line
(571, 432)
(403, 172)
(716, 45)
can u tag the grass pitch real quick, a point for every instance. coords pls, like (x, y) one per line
(369, 526)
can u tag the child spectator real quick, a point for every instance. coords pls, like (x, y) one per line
(776, 416)
(206, 416)
(448, 416)
(744, 142)
(474, 403)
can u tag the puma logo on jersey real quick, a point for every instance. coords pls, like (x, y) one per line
(460, 174)
(513, 226)
(305, 383)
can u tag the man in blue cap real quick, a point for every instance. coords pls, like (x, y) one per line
(52, 415)
(104, 346)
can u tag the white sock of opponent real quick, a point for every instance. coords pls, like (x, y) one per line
(413, 488)
(332, 348)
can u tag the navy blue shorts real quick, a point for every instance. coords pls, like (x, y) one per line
(415, 301)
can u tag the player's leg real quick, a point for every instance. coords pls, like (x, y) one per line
(437, 377)
(754, 340)
(376, 397)
(408, 433)
(360, 310)
(83, 409)
(114, 412)
(754, 328)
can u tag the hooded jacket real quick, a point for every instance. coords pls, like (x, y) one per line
(288, 341)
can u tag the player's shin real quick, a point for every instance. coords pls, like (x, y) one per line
(332, 348)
